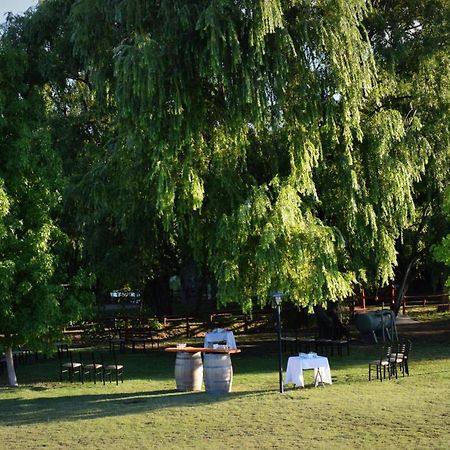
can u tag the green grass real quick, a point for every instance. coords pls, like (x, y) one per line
(427, 313)
(147, 412)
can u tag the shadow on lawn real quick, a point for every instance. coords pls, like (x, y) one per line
(41, 410)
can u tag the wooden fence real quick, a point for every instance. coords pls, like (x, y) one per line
(173, 327)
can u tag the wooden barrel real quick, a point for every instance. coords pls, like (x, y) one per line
(218, 372)
(189, 371)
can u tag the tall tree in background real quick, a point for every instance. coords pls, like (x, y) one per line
(411, 42)
(34, 304)
(277, 145)
(441, 251)
(249, 123)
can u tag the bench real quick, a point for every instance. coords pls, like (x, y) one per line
(291, 342)
(143, 336)
(323, 346)
(116, 341)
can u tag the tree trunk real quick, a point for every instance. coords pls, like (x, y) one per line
(416, 255)
(157, 295)
(191, 286)
(404, 286)
(12, 379)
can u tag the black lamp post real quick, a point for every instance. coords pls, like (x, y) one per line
(277, 300)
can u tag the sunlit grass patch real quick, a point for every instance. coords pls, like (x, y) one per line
(147, 412)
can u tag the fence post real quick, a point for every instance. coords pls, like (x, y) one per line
(392, 293)
(187, 327)
(127, 331)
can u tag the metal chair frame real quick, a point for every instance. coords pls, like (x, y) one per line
(69, 367)
(113, 369)
(93, 369)
(382, 365)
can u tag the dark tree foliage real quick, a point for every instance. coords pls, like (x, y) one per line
(38, 295)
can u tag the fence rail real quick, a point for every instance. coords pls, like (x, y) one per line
(189, 326)
(408, 301)
(438, 300)
(172, 327)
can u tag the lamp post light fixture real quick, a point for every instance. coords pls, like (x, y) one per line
(277, 296)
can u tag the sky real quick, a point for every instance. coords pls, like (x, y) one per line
(14, 6)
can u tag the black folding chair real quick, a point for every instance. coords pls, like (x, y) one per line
(382, 365)
(93, 369)
(67, 365)
(113, 370)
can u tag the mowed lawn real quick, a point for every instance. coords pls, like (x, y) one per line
(146, 412)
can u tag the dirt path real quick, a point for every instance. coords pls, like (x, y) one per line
(429, 331)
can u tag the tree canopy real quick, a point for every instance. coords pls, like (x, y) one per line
(38, 295)
(411, 44)
(264, 135)
(284, 145)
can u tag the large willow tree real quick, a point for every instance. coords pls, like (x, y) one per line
(253, 128)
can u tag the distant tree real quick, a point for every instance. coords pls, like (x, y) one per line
(442, 250)
(411, 47)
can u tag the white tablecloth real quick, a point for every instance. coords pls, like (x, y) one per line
(296, 365)
(220, 336)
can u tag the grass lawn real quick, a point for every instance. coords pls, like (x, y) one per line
(147, 412)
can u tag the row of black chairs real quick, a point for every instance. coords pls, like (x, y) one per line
(93, 368)
(394, 358)
(20, 356)
(322, 346)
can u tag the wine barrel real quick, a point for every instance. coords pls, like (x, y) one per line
(189, 371)
(218, 372)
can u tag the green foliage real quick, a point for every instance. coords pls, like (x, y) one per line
(34, 304)
(442, 251)
(410, 41)
(275, 143)
(284, 145)
(207, 94)
(154, 324)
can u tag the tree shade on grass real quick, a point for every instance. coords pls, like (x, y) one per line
(146, 411)
(276, 145)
